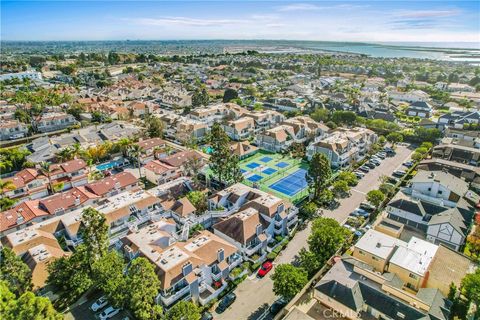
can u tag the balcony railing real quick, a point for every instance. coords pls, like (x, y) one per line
(253, 249)
(207, 293)
(174, 296)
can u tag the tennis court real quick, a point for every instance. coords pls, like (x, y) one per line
(255, 178)
(266, 159)
(269, 171)
(282, 164)
(253, 165)
(291, 184)
(277, 174)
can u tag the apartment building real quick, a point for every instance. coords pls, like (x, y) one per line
(250, 218)
(297, 129)
(70, 174)
(113, 185)
(240, 129)
(12, 129)
(151, 149)
(29, 184)
(37, 248)
(438, 187)
(34, 211)
(196, 269)
(439, 224)
(392, 279)
(55, 121)
(343, 146)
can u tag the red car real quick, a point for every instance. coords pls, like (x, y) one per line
(266, 267)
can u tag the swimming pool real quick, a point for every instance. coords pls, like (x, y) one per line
(111, 164)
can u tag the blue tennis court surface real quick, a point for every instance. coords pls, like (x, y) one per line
(282, 164)
(266, 159)
(269, 171)
(291, 184)
(253, 165)
(255, 178)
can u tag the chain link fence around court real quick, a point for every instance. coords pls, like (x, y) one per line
(263, 180)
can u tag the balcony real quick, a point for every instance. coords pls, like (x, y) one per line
(216, 274)
(171, 297)
(292, 221)
(207, 293)
(253, 248)
(234, 262)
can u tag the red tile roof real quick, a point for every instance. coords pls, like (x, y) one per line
(157, 167)
(107, 184)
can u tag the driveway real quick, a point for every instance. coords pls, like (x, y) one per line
(254, 296)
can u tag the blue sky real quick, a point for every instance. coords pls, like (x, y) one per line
(374, 21)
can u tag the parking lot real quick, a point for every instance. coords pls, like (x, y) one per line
(254, 295)
(82, 310)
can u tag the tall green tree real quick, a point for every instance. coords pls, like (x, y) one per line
(95, 234)
(108, 273)
(394, 137)
(318, 174)
(471, 289)
(375, 197)
(229, 94)
(326, 237)
(27, 306)
(71, 275)
(309, 261)
(184, 310)
(142, 288)
(219, 158)
(14, 272)
(288, 280)
(135, 152)
(154, 126)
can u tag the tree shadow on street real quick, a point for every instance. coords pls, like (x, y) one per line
(259, 312)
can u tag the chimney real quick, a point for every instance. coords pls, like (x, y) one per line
(220, 255)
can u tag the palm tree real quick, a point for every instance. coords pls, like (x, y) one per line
(45, 169)
(135, 152)
(124, 144)
(6, 185)
(65, 154)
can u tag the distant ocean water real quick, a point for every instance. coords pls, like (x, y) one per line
(448, 51)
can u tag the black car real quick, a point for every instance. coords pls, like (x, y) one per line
(226, 302)
(277, 306)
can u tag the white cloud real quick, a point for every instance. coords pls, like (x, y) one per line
(184, 21)
(429, 13)
(298, 7)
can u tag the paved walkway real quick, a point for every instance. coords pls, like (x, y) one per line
(254, 296)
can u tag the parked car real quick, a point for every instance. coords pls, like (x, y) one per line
(375, 162)
(266, 267)
(109, 313)
(408, 164)
(370, 165)
(399, 173)
(277, 306)
(393, 180)
(364, 168)
(359, 174)
(360, 213)
(226, 302)
(99, 304)
(206, 316)
(367, 206)
(349, 227)
(381, 155)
